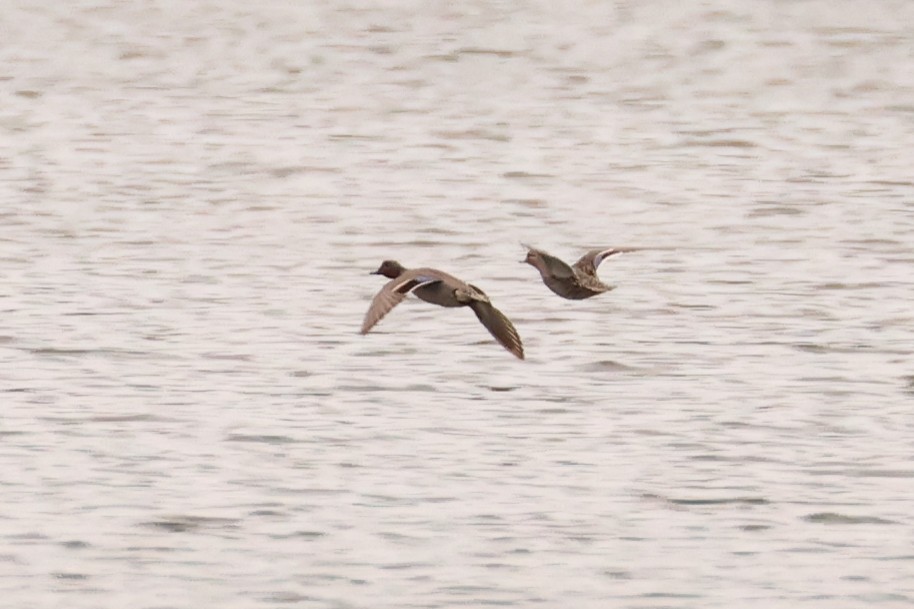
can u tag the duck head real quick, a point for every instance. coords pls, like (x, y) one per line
(390, 269)
(533, 257)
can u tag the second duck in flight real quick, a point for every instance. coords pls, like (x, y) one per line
(437, 287)
(578, 281)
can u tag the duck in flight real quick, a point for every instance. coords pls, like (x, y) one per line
(578, 281)
(442, 289)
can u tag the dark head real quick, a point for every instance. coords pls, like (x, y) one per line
(390, 269)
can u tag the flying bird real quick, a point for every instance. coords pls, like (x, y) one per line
(442, 289)
(578, 281)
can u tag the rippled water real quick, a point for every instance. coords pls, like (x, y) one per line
(192, 195)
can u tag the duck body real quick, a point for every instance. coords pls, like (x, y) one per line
(440, 293)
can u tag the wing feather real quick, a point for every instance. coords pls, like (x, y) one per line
(592, 259)
(393, 293)
(498, 326)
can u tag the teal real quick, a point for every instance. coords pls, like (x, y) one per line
(439, 288)
(577, 281)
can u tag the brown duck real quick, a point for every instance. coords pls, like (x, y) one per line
(578, 281)
(437, 287)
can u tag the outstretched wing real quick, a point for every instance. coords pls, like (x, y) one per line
(498, 326)
(592, 259)
(392, 294)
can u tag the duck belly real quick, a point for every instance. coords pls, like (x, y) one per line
(570, 289)
(438, 293)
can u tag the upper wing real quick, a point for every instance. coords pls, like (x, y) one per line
(392, 294)
(592, 259)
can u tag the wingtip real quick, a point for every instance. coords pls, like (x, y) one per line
(515, 349)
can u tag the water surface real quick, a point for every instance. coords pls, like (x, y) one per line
(192, 195)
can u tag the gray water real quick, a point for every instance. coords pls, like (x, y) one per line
(192, 195)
